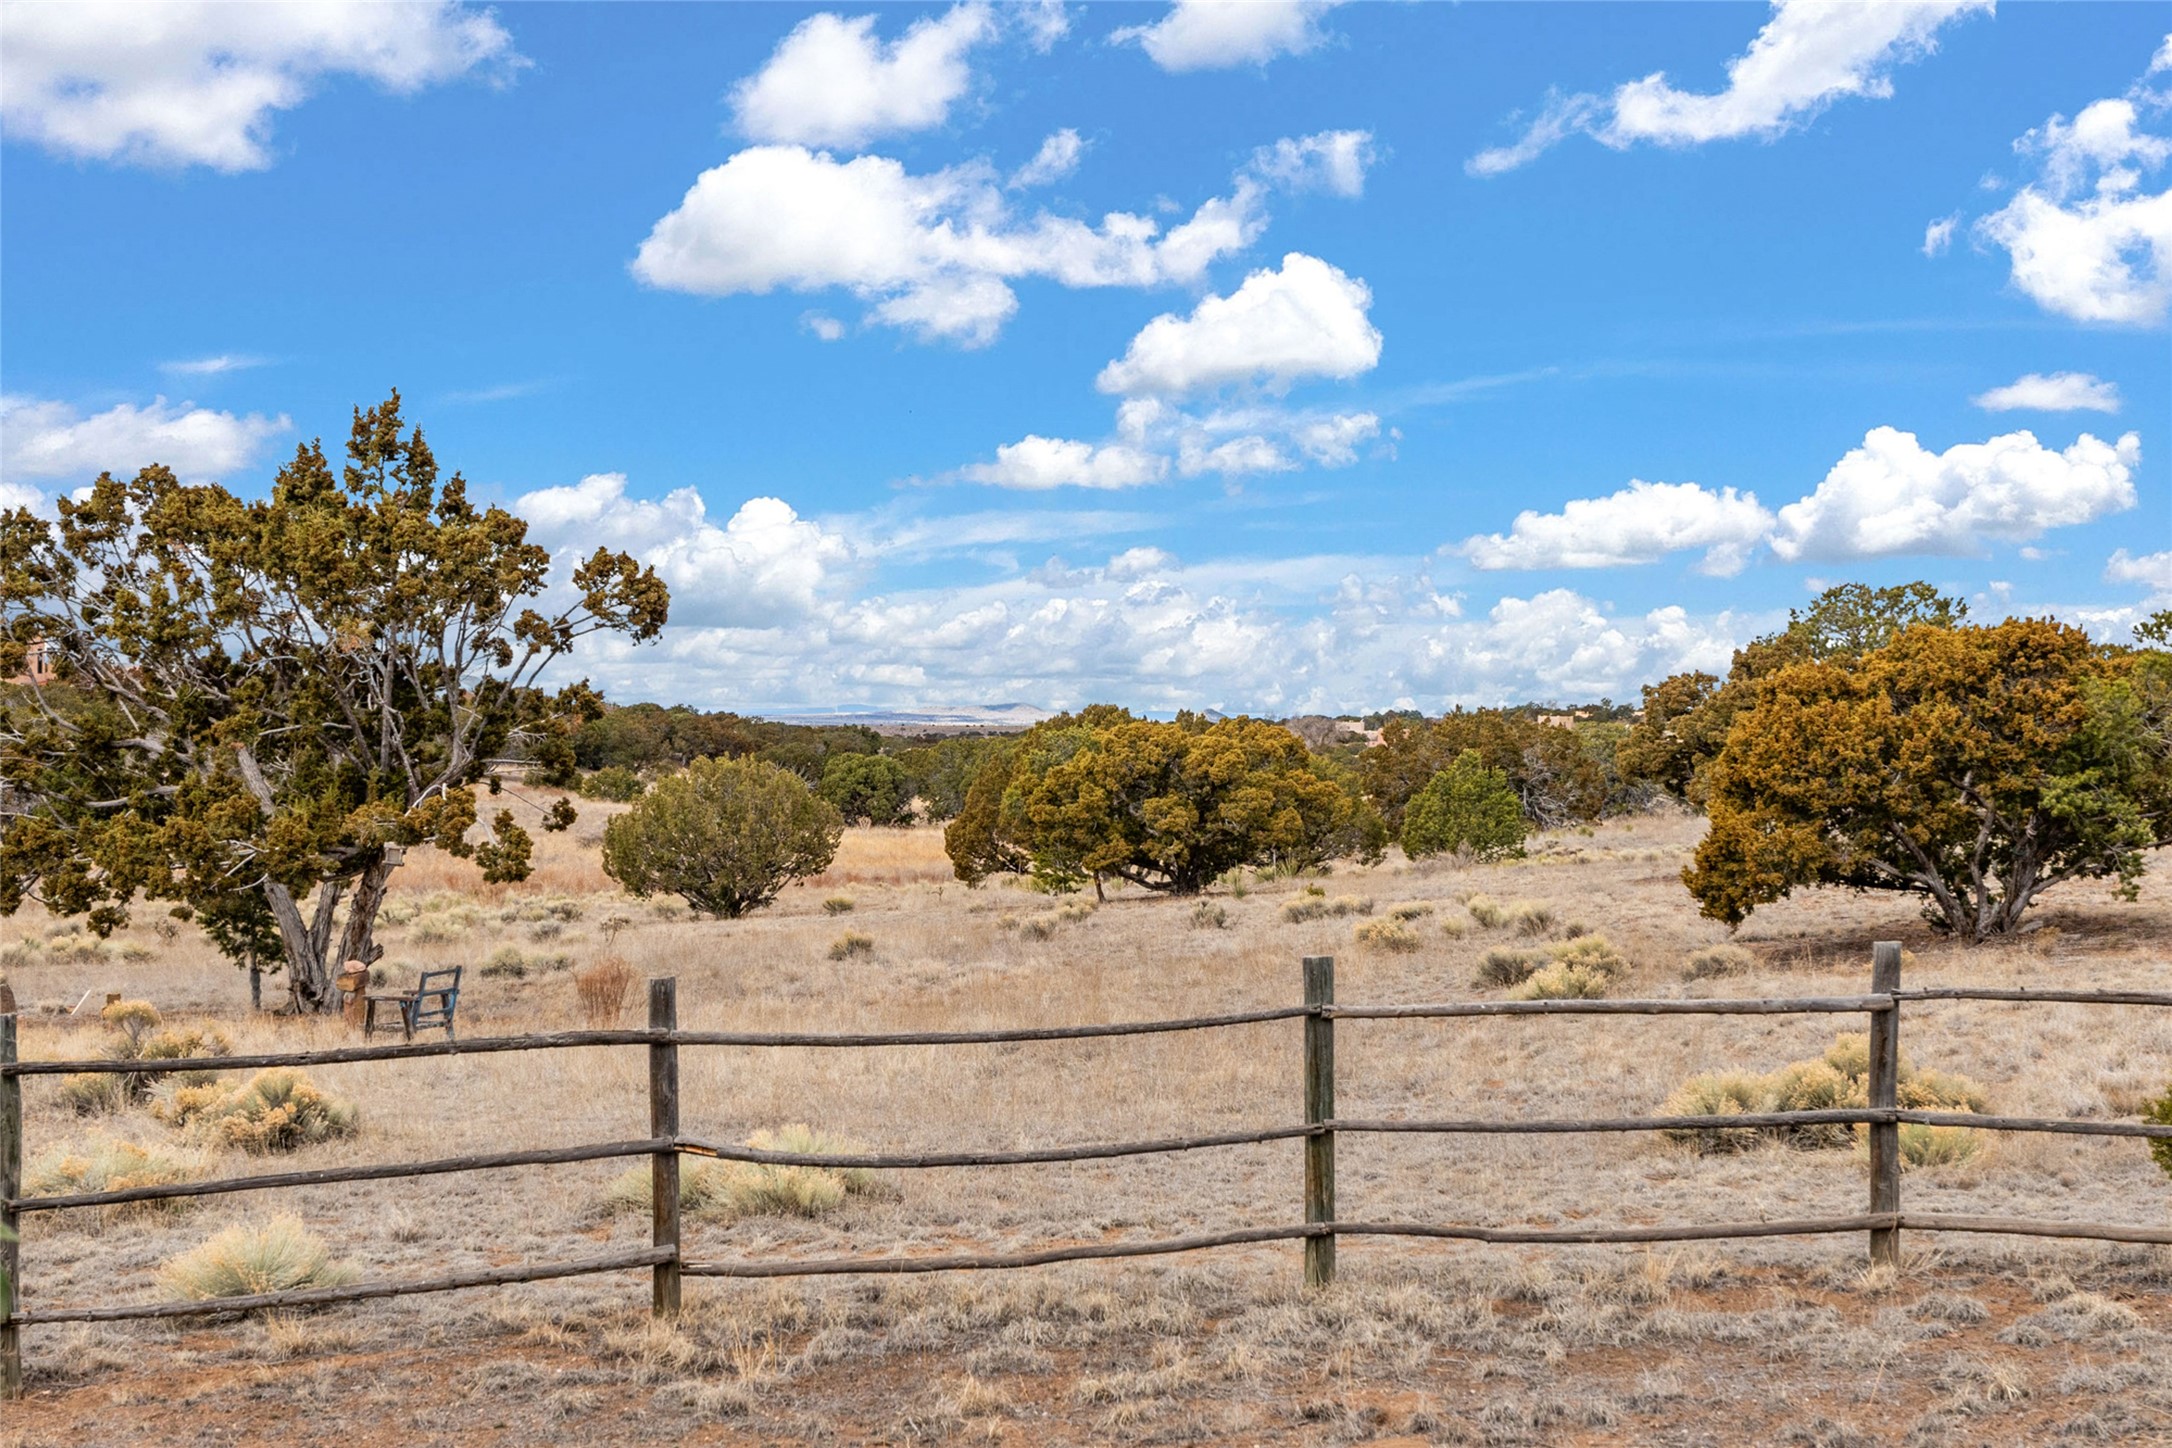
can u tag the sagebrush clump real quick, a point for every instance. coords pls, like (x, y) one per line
(1837, 1081)
(1314, 905)
(138, 1033)
(277, 1109)
(1717, 960)
(1389, 935)
(851, 944)
(729, 1189)
(110, 1164)
(281, 1255)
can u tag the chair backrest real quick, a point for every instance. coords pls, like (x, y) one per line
(437, 995)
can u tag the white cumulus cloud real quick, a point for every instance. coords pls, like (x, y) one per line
(1640, 524)
(45, 439)
(1332, 161)
(1038, 463)
(933, 253)
(1218, 34)
(831, 82)
(168, 83)
(1893, 496)
(1304, 319)
(767, 567)
(2151, 570)
(1808, 55)
(2053, 392)
(1058, 157)
(2086, 239)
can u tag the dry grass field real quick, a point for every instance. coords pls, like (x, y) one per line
(1974, 1340)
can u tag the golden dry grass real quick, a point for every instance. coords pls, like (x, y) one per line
(945, 957)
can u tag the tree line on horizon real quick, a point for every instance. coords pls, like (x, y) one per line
(247, 709)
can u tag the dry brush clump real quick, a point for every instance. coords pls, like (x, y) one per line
(280, 1255)
(1389, 935)
(106, 1163)
(1837, 1081)
(602, 991)
(1583, 968)
(1714, 961)
(1314, 904)
(138, 1033)
(851, 945)
(278, 1109)
(1044, 924)
(724, 1190)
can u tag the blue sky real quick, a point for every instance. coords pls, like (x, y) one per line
(1276, 357)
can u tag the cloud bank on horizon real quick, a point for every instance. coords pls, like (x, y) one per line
(1229, 354)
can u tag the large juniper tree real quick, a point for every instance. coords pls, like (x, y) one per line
(261, 696)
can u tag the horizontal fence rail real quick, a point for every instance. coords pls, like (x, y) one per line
(666, 1144)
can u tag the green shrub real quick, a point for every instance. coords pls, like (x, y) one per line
(725, 835)
(1717, 960)
(1559, 982)
(1466, 808)
(1502, 967)
(2159, 1113)
(1485, 910)
(850, 944)
(837, 905)
(870, 787)
(506, 961)
(1389, 935)
(281, 1255)
(109, 1164)
(1410, 910)
(278, 1109)
(1455, 927)
(138, 1035)
(1814, 1086)
(1206, 915)
(613, 782)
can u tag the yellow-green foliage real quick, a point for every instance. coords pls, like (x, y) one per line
(279, 1109)
(1593, 954)
(1717, 960)
(1390, 935)
(1410, 910)
(1314, 905)
(837, 905)
(108, 1164)
(1455, 927)
(1562, 982)
(281, 1255)
(136, 1036)
(1720, 1093)
(851, 943)
(1837, 1081)
(728, 1189)
(1485, 910)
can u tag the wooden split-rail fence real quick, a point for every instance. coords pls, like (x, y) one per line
(1320, 1229)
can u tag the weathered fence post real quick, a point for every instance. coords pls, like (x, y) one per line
(11, 1186)
(664, 1123)
(1885, 1187)
(1319, 1107)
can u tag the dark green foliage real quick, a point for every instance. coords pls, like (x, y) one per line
(870, 787)
(259, 696)
(724, 835)
(613, 782)
(1466, 807)
(2160, 1114)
